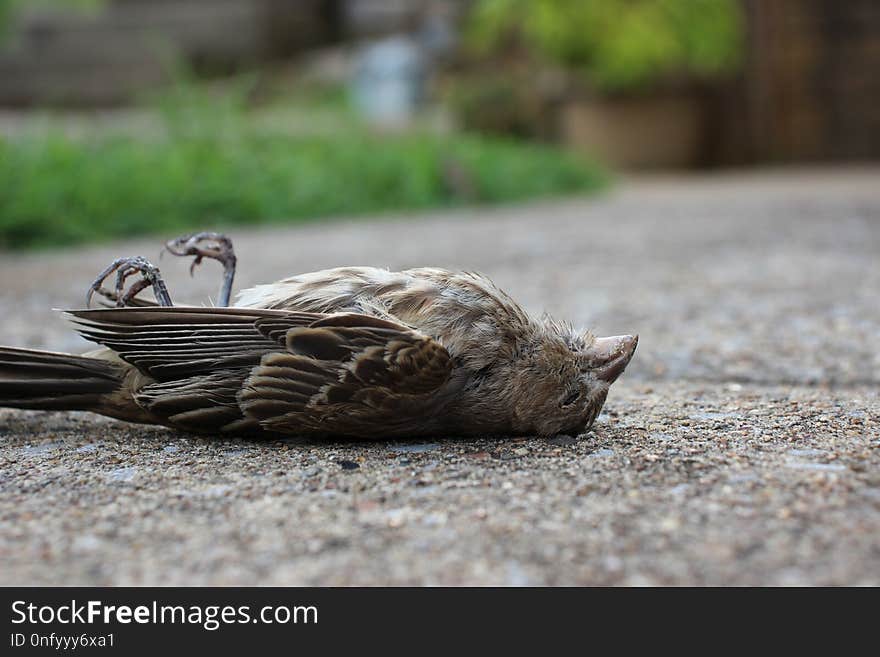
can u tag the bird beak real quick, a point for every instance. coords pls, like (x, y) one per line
(613, 355)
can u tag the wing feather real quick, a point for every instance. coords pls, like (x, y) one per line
(169, 343)
(342, 378)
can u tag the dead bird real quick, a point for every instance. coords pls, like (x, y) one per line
(356, 351)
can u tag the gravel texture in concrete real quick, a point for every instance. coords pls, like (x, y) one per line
(741, 447)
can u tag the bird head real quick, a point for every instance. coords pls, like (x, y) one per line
(562, 378)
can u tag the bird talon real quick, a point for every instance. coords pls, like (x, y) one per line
(215, 246)
(195, 263)
(124, 268)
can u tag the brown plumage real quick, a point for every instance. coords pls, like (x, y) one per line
(355, 351)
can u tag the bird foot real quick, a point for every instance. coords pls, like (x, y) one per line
(125, 267)
(215, 246)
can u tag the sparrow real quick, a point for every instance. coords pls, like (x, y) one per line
(357, 352)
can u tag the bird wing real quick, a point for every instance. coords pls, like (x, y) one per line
(286, 371)
(349, 374)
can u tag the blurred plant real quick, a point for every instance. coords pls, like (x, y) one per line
(5, 16)
(55, 190)
(505, 104)
(619, 45)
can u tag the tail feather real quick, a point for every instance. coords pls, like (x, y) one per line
(54, 381)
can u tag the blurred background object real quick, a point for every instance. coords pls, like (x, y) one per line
(389, 82)
(810, 84)
(629, 74)
(100, 52)
(224, 111)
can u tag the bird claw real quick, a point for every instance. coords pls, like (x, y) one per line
(215, 246)
(125, 267)
(195, 263)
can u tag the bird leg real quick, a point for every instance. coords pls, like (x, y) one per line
(125, 267)
(216, 246)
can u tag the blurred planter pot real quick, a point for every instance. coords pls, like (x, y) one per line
(663, 130)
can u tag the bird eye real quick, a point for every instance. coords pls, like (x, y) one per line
(572, 398)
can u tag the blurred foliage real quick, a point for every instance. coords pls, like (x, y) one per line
(498, 104)
(215, 166)
(6, 8)
(57, 190)
(619, 45)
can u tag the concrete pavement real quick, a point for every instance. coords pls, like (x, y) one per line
(741, 447)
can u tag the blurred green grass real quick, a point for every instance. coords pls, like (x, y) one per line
(214, 162)
(56, 190)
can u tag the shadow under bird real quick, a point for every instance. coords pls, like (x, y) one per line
(355, 351)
